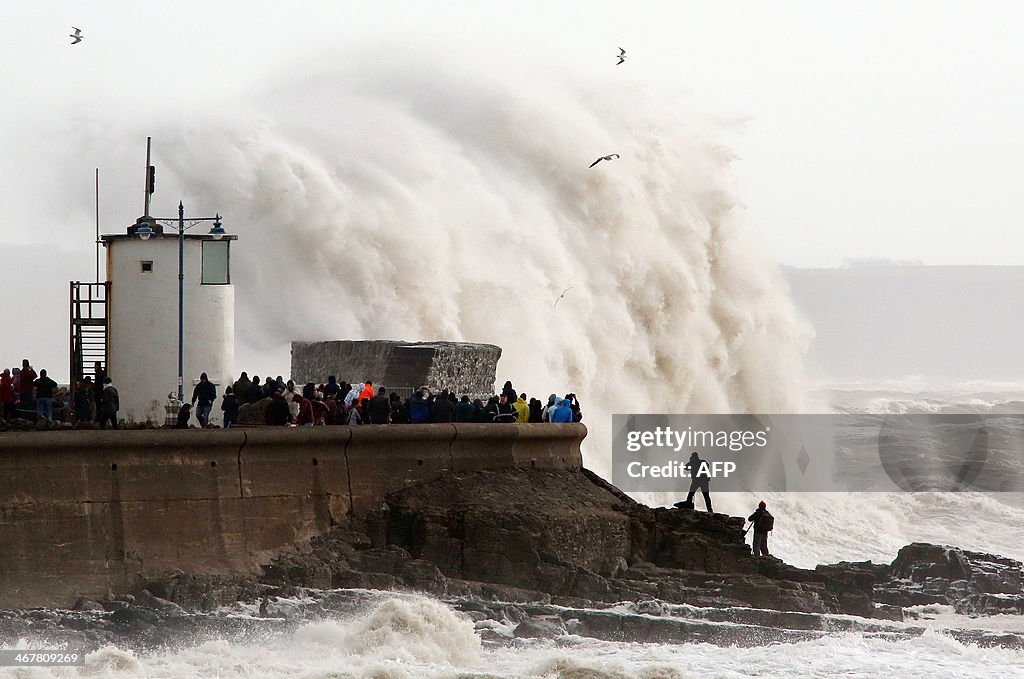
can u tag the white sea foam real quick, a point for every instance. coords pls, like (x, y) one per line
(414, 637)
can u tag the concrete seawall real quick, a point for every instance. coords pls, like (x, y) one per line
(86, 511)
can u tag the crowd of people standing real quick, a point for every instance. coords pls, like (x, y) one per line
(343, 403)
(24, 393)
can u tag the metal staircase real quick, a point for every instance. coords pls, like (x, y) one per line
(89, 338)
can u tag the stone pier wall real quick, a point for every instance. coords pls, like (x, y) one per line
(82, 512)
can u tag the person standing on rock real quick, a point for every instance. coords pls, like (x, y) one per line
(700, 478)
(762, 522)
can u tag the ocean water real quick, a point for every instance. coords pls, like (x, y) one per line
(813, 528)
(413, 637)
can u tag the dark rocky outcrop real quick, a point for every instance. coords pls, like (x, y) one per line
(539, 554)
(566, 537)
(570, 538)
(972, 582)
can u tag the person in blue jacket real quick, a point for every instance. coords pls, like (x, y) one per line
(563, 413)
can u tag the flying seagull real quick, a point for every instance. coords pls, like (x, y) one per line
(77, 35)
(622, 56)
(561, 296)
(608, 157)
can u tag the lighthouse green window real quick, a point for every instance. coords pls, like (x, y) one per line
(215, 262)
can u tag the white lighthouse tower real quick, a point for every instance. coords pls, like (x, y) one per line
(170, 308)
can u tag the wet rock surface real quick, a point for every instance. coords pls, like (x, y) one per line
(973, 583)
(529, 554)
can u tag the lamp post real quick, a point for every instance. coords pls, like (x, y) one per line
(145, 231)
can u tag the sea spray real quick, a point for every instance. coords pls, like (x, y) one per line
(419, 199)
(413, 630)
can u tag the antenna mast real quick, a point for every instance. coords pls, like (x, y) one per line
(149, 176)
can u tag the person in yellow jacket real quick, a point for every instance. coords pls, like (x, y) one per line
(523, 408)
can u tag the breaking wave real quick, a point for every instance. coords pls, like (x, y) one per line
(430, 200)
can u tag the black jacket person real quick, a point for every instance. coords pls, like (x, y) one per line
(763, 522)
(205, 393)
(700, 478)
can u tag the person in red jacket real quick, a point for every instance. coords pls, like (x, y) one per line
(367, 392)
(305, 417)
(8, 398)
(25, 384)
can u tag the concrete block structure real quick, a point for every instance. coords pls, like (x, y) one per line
(461, 367)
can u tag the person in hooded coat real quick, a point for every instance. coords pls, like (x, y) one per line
(229, 405)
(270, 386)
(255, 390)
(758, 519)
(522, 409)
(241, 388)
(535, 410)
(419, 408)
(399, 413)
(545, 413)
(332, 387)
(353, 395)
(379, 408)
(442, 409)
(184, 415)
(204, 393)
(277, 413)
(509, 391)
(563, 413)
(464, 411)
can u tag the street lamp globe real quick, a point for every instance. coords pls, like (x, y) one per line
(217, 232)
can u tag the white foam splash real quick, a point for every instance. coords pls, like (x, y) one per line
(428, 200)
